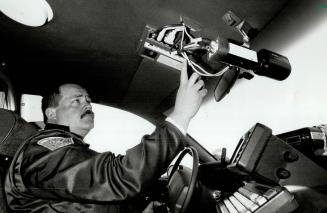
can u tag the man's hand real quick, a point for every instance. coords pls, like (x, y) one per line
(189, 98)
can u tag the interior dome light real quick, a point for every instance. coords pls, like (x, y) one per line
(32, 13)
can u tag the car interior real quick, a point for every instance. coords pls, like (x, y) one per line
(257, 143)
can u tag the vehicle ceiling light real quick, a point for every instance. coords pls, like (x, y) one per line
(32, 13)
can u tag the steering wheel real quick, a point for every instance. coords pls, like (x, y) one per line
(181, 182)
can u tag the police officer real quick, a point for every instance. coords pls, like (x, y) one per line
(55, 171)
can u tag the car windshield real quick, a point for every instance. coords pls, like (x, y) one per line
(283, 106)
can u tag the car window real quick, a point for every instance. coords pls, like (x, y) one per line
(30, 108)
(116, 130)
(3, 103)
(7, 100)
(3, 88)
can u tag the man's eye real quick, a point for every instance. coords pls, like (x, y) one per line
(76, 101)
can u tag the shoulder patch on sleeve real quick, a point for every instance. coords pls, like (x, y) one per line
(54, 143)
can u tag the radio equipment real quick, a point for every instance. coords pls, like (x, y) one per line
(310, 141)
(258, 198)
(265, 156)
(266, 164)
(266, 174)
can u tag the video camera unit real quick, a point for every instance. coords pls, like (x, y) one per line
(172, 45)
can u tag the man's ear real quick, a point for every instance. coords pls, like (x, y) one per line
(50, 112)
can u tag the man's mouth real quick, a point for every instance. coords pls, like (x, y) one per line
(87, 113)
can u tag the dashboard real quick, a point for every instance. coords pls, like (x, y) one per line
(264, 175)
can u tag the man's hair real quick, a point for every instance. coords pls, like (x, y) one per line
(50, 99)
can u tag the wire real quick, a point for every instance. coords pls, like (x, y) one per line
(162, 33)
(182, 40)
(191, 46)
(198, 69)
(191, 38)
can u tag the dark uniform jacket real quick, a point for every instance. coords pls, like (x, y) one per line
(55, 171)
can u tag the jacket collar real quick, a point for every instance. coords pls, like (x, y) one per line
(49, 126)
(56, 126)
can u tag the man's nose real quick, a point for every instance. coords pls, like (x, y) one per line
(87, 106)
(87, 102)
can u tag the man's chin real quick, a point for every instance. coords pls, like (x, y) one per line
(91, 127)
(87, 124)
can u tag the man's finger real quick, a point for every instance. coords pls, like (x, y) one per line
(194, 77)
(184, 75)
(198, 85)
(203, 92)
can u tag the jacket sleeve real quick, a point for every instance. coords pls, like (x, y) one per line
(79, 174)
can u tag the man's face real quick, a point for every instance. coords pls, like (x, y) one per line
(74, 109)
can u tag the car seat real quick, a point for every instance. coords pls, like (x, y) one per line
(13, 131)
